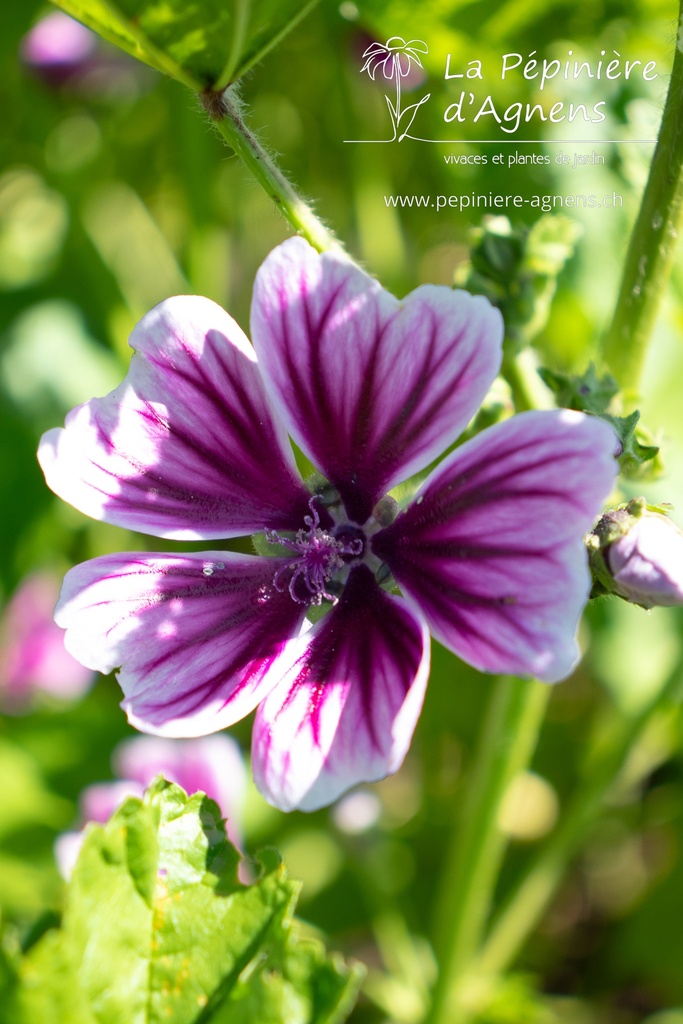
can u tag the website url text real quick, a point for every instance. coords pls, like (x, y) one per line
(493, 201)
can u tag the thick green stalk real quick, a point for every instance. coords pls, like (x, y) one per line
(524, 908)
(653, 241)
(508, 741)
(225, 111)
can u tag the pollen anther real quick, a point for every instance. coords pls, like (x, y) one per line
(319, 557)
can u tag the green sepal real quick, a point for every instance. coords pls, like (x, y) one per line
(590, 393)
(267, 548)
(638, 460)
(586, 392)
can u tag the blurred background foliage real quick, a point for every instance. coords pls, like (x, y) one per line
(115, 192)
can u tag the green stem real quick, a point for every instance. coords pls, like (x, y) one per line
(653, 241)
(508, 741)
(517, 377)
(239, 31)
(225, 111)
(525, 907)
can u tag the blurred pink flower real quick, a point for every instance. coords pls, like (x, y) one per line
(63, 53)
(32, 653)
(57, 45)
(212, 765)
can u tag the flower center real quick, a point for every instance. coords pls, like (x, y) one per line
(320, 556)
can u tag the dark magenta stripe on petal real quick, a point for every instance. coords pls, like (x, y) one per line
(346, 701)
(491, 549)
(372, 389)
(186, 446)
(194, 635)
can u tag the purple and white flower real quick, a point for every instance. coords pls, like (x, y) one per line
(192, 446)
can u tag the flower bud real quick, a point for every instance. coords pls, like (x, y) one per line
(636, 552)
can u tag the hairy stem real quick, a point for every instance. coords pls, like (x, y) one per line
(225, 111)
(651, 249)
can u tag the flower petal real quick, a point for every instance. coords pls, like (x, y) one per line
(647, 562)
(194, 634)
(348, 696)
(186, 446)
(372, 389)
(491, 549)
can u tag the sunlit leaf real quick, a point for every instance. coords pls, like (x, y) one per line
(206, 46)
(157, 928)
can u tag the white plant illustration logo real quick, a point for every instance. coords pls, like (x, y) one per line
(395, 59)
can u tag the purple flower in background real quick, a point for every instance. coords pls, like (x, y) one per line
(65, 54)
(33, 659)
(57, 45)
(212, 765)
(192, 445)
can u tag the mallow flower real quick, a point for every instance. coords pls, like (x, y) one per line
(193, 446)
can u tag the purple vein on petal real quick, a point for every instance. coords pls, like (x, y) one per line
(371, 389)
(346, 701)
(491, 549)
(187, 446)
(194, 635)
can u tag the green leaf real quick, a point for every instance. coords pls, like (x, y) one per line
(296, 984)
(8, 980)
(639, 459)
(157, 929)
(207, 45)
